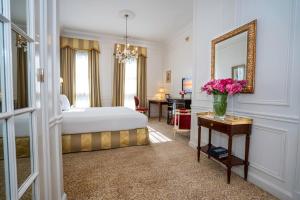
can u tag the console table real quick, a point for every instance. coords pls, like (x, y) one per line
(231, 126)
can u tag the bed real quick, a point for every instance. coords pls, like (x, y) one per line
(91, 129)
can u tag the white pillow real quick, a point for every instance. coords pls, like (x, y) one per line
(64, 102)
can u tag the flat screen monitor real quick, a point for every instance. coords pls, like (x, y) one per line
(187, 85)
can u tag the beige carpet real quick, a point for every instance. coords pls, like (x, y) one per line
(163, 170)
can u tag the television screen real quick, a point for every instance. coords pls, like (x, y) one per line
(187, 85)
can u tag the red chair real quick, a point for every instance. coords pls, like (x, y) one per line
(137, 106)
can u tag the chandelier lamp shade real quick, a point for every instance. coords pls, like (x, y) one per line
(126, 53)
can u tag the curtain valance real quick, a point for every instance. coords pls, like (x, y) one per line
(79, 44)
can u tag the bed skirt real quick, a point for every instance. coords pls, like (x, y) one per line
(82, 142)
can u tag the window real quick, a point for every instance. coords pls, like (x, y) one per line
(82, 80)
(130, 84)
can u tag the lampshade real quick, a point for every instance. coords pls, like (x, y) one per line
(61, 80)
(161, 90)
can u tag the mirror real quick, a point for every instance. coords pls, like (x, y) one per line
(2, 83)
(23, 147)
(2, 161)
(233, 55)
(20, 70)
(19, 13)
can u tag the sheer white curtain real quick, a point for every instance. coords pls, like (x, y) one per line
(130, 84)
(82, 80)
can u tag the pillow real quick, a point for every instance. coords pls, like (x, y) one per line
(64, 102)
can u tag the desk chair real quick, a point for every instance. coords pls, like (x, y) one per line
(137, 106)
(182, 121)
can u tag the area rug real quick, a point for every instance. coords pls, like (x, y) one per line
(166, 169)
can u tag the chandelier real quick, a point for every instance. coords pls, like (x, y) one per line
(21, 42)
(128, 53)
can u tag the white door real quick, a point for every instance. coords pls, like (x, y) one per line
(18, 135)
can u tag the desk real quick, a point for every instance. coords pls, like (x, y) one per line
(174, 104)
(231, 125)
(160, 103)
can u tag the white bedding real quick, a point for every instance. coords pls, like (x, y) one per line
(100, 119)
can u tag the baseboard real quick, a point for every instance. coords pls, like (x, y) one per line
(64, 196)
(265, 185)
(262, 183)
(297, 195)
(191, 144)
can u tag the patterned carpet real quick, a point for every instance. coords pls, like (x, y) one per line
(166, 169)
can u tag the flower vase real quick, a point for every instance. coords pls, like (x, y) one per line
(182, 96)
(220, 105)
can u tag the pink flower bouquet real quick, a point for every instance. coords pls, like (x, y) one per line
(182, 92)
(224, 86)
(220, 89)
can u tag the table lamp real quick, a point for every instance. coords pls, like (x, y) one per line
(161, 92)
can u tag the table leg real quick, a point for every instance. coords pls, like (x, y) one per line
(149, 111)
(228, 174)
(229, 158)
(246, 156)
(209, 142)
(160, 111)
(199, 143)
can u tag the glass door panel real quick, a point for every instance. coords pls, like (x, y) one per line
(19, 13)
(20, 70)
(2, 164)
(23, 147)
(1, 7)
(28, 195)
(2, 81)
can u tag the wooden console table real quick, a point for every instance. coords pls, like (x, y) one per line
(231, 125)
(160, 103)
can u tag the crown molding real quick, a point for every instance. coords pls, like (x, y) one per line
(68, 32)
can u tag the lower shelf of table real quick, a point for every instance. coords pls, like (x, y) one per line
(234, 160)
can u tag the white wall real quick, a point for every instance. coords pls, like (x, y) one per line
(107, 42)
(275, 104)
(178, 57)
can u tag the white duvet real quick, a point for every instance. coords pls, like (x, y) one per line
(85, 120)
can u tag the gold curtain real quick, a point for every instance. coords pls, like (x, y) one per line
(79, 44)
(118, 84)
(68, 55)
(67, 72)
(142, 80)
(94, 78)
(22, 91)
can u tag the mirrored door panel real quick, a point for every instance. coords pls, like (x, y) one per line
(18, 169)
(19, 13)
(2, 164)
(23, 147)
(2, 81)
(29, 194)
(1, 6)
(20, 70)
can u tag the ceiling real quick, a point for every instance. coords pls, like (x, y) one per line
(155, 20)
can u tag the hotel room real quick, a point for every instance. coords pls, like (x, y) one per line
(140, 99)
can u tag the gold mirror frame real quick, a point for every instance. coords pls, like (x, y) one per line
(251, 52)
